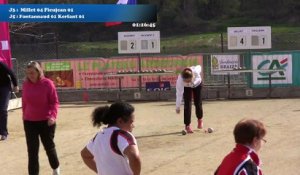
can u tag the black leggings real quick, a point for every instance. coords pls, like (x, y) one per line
(34, 129)
(187, 95)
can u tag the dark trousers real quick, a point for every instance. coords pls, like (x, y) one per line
(4, 99)
(34, 130)
(187, 96)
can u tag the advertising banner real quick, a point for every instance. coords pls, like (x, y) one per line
(89, 72)
(224, 62)
(270, 62)
(171, 63)
(158, 86)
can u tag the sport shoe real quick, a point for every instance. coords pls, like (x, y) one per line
(3, 137)
(200, 124)
(189, 129)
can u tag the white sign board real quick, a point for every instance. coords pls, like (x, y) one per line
(139, 42)
(224, 62)
(4, 45)
(270, 62)
(249, 37)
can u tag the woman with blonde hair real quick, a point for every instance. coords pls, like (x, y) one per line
(39, 105)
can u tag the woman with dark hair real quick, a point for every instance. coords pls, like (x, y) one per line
(7, 77)
(113, 151)
(243, 160)
(39, 105)
(189, 83)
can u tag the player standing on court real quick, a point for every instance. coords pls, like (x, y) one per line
(7, 77)
(189, 82)
(114, 150)
(39, 105)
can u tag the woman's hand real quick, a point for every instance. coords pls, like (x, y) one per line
(51, 121)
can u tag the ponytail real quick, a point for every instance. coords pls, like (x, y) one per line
(109, 115)
(99, 115)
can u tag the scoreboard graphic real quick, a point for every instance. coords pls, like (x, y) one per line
(249, 37)
(139, 42)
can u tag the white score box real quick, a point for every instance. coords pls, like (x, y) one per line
(249, 37)
(139, 42)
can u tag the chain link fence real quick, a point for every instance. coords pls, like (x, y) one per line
(23, 53)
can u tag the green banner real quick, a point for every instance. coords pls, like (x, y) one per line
(57, 66)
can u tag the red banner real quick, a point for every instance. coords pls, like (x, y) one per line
(90, 73)
(5, 52)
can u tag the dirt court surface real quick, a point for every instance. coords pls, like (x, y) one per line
(158, 131)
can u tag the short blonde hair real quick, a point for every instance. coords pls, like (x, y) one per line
(37, 66)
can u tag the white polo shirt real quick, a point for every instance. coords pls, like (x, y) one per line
(180, 84)
(108, 148)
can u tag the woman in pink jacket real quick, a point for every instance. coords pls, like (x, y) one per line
(39, 104)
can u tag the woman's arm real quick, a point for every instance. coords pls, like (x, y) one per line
(88, 159)
(10, 73)
(53, 101)
(133, 156)
(179, 92)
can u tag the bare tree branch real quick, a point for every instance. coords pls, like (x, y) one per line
(17, 27)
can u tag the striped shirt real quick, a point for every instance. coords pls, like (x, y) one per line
(241, 161)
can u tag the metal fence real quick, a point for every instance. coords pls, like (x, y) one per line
(160, 62)
(61, 50)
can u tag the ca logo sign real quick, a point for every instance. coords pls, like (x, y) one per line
(272, 65)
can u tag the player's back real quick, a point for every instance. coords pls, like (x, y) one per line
(108, 152)
(239, 162)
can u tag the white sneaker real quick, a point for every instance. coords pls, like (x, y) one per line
(3, 137)
(56, 171)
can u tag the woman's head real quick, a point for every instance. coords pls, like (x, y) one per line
(187, 75)
(119, 114)
(34, 71)
(250, 132)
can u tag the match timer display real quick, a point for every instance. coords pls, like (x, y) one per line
(139, 42)
(249, 37)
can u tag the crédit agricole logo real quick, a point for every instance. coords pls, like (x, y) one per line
(279, 66)
(273, 65)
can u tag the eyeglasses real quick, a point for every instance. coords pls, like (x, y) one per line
(264, 140)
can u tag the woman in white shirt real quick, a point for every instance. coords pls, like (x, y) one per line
(113, 151)
(189, 83)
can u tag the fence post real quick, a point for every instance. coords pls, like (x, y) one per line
(140, 69)
(229, 88)
(270, 84)
(222, 44)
